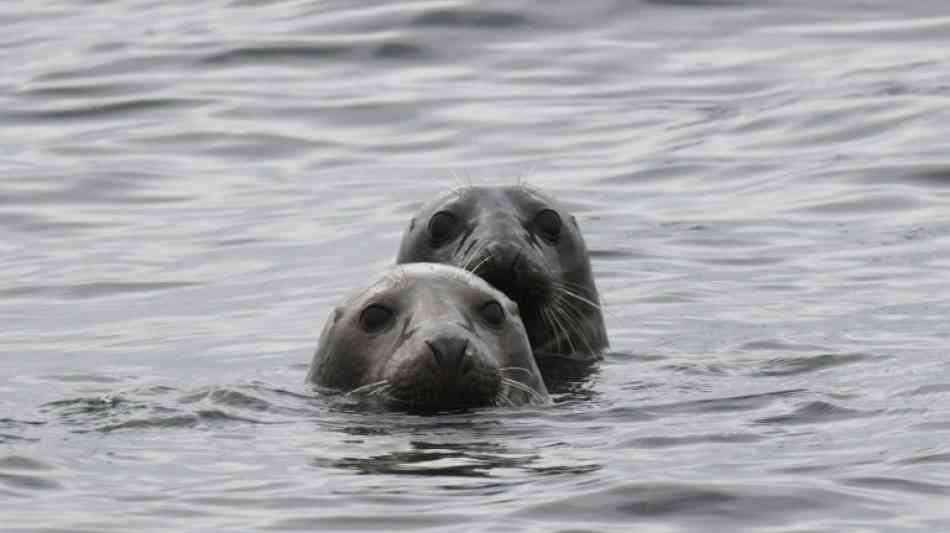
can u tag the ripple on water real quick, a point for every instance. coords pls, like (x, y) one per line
(897, 485)
(87, 291)
(817, 412)
(747, 402)
(762, 185)
(466, 17)
(691, 440)
(162, 407)
(789, 366)
(22, 476)
(921, 174)
(700, 504)
(311, 52)
(269, 54)
(101, 110)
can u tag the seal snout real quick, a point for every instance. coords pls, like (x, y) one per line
(449, 351)
(504, 257)
(515, 271)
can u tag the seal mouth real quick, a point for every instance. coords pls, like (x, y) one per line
(444, 372)
(439, 395)
(415, 391)
(507, 387)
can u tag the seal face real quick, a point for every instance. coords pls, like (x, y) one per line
(528, 246)
(429, 336)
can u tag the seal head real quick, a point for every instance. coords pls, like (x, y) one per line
(528, 246)
(432, 337)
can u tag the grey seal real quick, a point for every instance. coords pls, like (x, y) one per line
(527, 245)
(431, 337)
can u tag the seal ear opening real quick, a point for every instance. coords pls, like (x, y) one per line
(337, 314)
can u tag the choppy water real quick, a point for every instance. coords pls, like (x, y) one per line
(188, 187)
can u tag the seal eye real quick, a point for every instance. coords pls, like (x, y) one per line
(549, 224)
(375, 317)
(493, 313)
(442, 227)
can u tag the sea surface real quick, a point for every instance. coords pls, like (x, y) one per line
(188, 188)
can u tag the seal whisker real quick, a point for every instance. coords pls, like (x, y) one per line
(380, 388)
(459, 179)
(502, 399)
(570, 327)
(563, 332)
(524, 174)
(565, 290)
(554, 342)
(384, 391)
(505, 371)
(575, 318)
(574, 288)
(468, 256)
(479, 265)
(579, 320)
(369, 387)
(532, 394)
(568, 324)
(465, 262)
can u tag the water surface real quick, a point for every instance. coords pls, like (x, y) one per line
(189, 188)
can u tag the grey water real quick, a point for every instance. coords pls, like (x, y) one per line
(188, 188)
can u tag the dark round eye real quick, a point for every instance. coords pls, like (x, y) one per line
(549, 224)
(493, 313)
(442, 227)
(375, 317)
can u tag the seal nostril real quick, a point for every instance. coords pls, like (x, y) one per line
(448, 352)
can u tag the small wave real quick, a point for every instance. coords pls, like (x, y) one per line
(935, 176)
(688, 440)
(747, 402)
(701, 505)
(20, 482)
(785, 366)
(699, 3)
(19, 474)
(927, 459)
(884, 203)
(279, 53)
(191, 420)
(161, 407)
(123, 108)
(85, 291)
(45, 91)
(398, 50)
(817, 412)
(898, 485)
(471, 18)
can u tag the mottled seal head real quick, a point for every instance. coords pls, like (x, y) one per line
(528, 246)
(429, 336)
